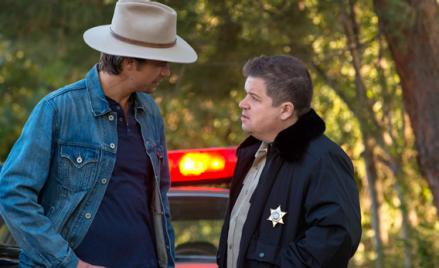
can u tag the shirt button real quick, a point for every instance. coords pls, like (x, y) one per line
(104, 181)
(111, 117)
(112, 145)
(79, 160)
(87, 215)
(230, 246)
(261, 255)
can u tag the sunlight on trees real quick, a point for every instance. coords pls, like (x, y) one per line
(357, 92)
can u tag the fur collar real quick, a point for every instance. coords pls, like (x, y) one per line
(293, 141)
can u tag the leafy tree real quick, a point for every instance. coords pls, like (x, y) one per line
(357, 91)
(412, 32)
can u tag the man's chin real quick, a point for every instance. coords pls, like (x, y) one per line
(148, 90)
(245, 129)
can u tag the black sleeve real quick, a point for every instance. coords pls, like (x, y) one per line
(333, 218)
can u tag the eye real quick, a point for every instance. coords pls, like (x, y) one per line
(162, 63)
(159, 63)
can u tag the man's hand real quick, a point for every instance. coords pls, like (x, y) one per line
(83, 264)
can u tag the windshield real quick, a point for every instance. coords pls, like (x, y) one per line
(197, 218)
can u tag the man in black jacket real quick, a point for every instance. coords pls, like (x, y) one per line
(293, 198)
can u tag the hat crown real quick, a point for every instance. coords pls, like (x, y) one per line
(145, 21)
(141, 29)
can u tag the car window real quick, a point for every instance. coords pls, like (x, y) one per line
(197, 218)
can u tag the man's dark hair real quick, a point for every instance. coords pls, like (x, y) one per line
(286, 78)
(113, 64)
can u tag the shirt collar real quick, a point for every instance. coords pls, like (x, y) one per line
(262, 151)
(99, 103)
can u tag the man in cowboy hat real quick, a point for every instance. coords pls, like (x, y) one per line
(293, 198)
(85, 184)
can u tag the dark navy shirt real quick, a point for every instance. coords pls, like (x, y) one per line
(121, 234)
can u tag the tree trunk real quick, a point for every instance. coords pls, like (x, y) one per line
(411, 29)
(395, 165)
(371, 175)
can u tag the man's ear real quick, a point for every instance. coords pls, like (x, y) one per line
(287, 110)
(128, 63)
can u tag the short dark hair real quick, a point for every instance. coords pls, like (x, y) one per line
(286, 78)
(113, 64)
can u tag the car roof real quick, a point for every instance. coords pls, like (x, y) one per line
(199, 191)
(198, 203)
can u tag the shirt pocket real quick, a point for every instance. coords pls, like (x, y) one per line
(78, 166)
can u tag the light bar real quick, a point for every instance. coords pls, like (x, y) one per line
(207, 165)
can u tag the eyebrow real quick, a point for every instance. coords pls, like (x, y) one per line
(253, 94)
(158, 62)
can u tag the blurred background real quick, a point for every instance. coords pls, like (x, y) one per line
(375, 67)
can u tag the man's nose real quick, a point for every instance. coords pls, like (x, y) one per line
(166, 70)
(243, 104)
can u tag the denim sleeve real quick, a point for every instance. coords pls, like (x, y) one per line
(23, 176)
(165, 184)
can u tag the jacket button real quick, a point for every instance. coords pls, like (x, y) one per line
(87, 215)
(112, 145)
(104, 181)
(261, 255)
(79, 160)
(111, 117)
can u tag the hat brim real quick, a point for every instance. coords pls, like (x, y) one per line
(101, 39)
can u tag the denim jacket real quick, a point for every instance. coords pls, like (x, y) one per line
(56, 174)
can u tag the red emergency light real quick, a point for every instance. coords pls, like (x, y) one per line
(207, 165)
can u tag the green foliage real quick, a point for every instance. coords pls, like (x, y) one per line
(41, 49)
(19, 90)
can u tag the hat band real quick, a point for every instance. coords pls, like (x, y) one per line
(141, 43)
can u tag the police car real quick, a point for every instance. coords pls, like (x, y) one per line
(197, 207)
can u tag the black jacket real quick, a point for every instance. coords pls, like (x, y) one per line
(312, 179)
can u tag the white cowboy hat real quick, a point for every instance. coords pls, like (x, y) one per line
(141, 29)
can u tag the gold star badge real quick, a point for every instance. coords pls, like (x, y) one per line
(276, 216)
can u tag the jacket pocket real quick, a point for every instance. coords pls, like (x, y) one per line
(77, 166)
(261, 254)
(62, 209)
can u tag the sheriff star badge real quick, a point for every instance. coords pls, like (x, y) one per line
(276, 216)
